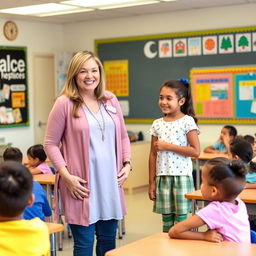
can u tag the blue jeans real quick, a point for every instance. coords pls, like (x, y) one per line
(105, 231)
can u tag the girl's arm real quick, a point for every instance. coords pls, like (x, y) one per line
(152, 169)
(210, 149)
(35, 171)
(192, 150)
(183, 229)
(250, 185)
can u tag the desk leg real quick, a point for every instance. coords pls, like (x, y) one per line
(48, 193)
(197, 174)
(119, 228)
(123, 226)
(53, 244)
(194, 207)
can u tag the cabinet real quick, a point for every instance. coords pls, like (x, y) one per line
(139, 175)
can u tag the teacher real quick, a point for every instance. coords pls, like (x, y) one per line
(87, 143)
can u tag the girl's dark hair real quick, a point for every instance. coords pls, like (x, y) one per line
(250, 139)
(231, 130)
(13, 154)
(243, 149)
(228, 173)
(37, 151)
(182, 89)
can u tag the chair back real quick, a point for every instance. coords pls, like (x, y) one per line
(253, 237)
(53, 170)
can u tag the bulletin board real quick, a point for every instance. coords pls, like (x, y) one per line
(13, 87)
(225, 95)
(136, 67)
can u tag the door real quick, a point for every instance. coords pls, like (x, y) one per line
(44, 92)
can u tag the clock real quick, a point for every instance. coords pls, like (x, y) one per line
(10, 30)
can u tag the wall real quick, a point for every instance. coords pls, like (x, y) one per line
(38, 38)
(199, 19)
(51, 38)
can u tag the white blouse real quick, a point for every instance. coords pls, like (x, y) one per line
(174, 132)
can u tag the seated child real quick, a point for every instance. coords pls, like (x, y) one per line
(242, 149)
(19, 236)
(228, 133)
(36, 160)
(251, 140)
(13, 154)
(40, 207)
(226, 216)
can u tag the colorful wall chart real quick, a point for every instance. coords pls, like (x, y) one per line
(245, 96)
(225, 95)
(13, 87)
(117, 77)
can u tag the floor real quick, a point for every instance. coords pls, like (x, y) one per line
(139, 222)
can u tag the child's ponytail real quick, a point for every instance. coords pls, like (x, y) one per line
(187, 107)
(238, 168)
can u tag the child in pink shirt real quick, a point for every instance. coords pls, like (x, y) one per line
(226, 216)
(36, 160)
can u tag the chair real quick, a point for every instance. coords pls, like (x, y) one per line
(53, 170)
(253, 237)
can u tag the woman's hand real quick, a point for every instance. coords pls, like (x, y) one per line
(123, 175)
(76, 186)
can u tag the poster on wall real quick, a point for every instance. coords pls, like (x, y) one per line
(225, 95)
(213, 95)
(13, 87)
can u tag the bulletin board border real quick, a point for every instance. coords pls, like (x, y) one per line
(172, 35)
(219, 70)
(244, 29)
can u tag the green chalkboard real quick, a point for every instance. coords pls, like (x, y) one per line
(146, 74)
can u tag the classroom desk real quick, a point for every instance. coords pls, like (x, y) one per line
(48, 180)
(199, 161)
(248, 196)
(54, 228)
(160, 244)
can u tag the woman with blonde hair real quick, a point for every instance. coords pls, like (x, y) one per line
(87, 142)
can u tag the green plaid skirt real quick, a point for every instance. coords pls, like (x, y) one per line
(170, 191)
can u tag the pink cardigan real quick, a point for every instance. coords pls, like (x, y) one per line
(73, 136)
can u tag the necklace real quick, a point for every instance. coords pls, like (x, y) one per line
(102, 128)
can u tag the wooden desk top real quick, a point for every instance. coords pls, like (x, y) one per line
(247, 195)
(160, 244)
(54, 227)
(45, 179)
(207, 156)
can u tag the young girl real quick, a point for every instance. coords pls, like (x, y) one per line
(251, 140)
(226, 217)
(36, 160)
(227, 134)
(242, 149)
(174, 140)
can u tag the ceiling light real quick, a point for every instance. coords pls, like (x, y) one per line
(168, 0)
(39, 9)
(128, 4)
(47, 14)
(96, 3)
